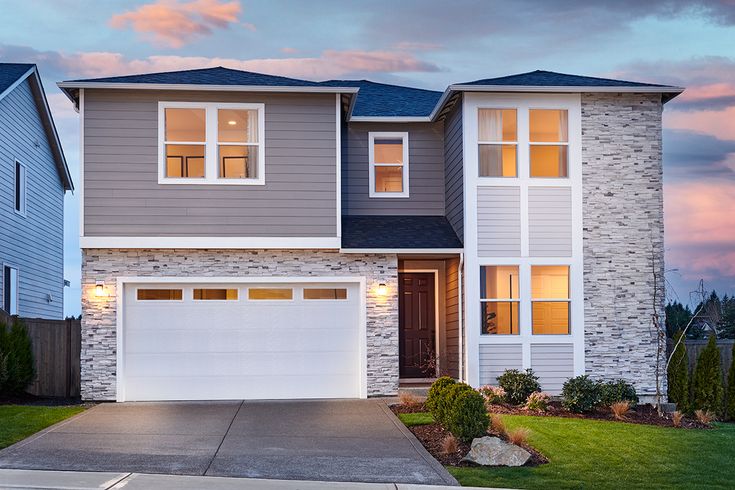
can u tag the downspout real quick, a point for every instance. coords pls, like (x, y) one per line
(462, 346)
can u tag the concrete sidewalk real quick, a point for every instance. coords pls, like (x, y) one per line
(78, 480)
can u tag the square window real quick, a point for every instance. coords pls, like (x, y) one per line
(388, 179)
(496, 125)
(498, 161)
(185, 161)
(549, 140)
(238, 162)
(549, 161)
(237, 126)
(188, 125)
(548, 125)
(497, 137)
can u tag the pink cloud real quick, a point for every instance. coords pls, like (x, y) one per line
(719, 123)
(173, 23)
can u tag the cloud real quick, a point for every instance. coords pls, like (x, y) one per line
(688, 154)
(173, 23)
(720, 123)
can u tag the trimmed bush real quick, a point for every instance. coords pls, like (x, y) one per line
(678, 375)
(707, 389)
(581, 394)
(445, 404)
(518, 385)
(538, 401)
(493, 394)
(730, 413)
(436, 392)
(618, 391)
(15, 346)
(468, 417)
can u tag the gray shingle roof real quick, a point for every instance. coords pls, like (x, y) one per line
(404, 232)
(11, 72)
(541, 78)
(384, 100)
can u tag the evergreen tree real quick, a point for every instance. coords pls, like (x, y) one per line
(678, 375)
(727, 323)
(677, 318)
(707, 389)
(15, 344)
(731, 388)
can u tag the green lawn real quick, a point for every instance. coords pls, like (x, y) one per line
(598, 454)
(19, 421)
(411, 419)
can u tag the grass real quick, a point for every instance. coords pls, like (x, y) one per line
(600, 454)
(19, 421)
(419, 418)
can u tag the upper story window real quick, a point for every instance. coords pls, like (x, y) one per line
(498, 142)
(211, 143)
(388, 156)
(548, 143)
(19, 201)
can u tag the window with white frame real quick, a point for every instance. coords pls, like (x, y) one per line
(550, 302)
(10, 290)
(497, 142)
(548, 140)
(499, 299)
(211, 143)
(19, 201)
(388, 157)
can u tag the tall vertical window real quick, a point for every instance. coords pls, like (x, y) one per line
(185, 140)
(388, 156)
(498, 142)
(550, 299)
(237, 143)
(20, 188)
(549, 142)
(499, 299)
(10, 290)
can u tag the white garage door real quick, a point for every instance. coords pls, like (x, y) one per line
(235, 341)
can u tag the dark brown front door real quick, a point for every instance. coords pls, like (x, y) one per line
(417, 323)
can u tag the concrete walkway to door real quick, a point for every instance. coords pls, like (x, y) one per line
(334, 440)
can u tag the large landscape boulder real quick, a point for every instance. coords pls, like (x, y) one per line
(492, 451)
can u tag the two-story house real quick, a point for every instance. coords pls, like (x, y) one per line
(254, 236)
(33, 180)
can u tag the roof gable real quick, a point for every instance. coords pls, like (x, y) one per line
(11, 74)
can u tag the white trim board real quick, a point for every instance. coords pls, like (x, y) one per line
(438, 347)
(211, 242)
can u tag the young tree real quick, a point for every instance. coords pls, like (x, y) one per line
(707, 389)
(730, 413)
(678, 374)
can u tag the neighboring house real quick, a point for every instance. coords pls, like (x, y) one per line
(253, 236)
(33, 179)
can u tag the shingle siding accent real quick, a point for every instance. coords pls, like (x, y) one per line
(623, 227)
(99, 343)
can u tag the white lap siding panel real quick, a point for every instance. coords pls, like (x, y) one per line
(550, 221)
(494, 359)
(553, 364)
(499, 221)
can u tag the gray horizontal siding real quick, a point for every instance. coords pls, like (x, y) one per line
(553, 364)
(550, 221)
(496, 358)
(499, 221)
(453, 185)
(33, 243)
(122, 196)
(452, 305)
(426, 171)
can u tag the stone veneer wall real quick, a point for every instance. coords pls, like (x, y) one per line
(99, 350)
(623, 226)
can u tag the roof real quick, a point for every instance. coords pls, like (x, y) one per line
(384, 100)
(11, 75)
(398, 232)
(542, 78)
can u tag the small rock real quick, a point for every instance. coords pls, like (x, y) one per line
(491, 451)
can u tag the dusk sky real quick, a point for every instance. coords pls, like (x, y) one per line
(427, 44)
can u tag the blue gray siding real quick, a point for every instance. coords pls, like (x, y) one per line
(499, 221)
(453, 170)
(496, 358)
(550, 221)
(426, 171)
(553, 364)
(33, 243)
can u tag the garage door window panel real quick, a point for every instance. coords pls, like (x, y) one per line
(209, 294)
(325, 293)
(159, 294)
(276, 294)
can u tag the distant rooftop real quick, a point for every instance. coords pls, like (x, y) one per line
(11, 72)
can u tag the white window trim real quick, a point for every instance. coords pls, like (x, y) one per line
(211, 165)
(371, 159)
(5, 286)
(23, 188)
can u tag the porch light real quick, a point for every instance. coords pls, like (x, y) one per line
(232, 123)
(99, 289)
(382, 289)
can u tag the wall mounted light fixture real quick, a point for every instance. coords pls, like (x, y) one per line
(99, 289)
(382, 289)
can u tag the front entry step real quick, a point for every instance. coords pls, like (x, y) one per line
(415, 386)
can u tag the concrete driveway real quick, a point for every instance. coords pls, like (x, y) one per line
(335, 440)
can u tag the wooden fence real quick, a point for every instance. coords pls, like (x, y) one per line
(695, 347)
(56, 352)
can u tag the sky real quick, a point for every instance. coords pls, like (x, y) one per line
(428, 44)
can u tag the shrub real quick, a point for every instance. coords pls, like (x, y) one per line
(408, 399)
(678, 375)
(538, 400)
(450, 445)
(436, 392)
(704, 416)
(620, 409)
(467, 417)
(15, 344)
(518, 436)
(730, 408)
(707, 389)
(493, 394)
(617, 391)
(676, 418)
(518, 385)
(580, 394)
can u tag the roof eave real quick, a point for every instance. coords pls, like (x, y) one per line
(566, 89)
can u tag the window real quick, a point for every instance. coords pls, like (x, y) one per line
(388, 156)
(159, 294)
(549, 143)
(10, 290)
(270, 293)
(211, 143)
(20, 188)
(550, 299)
(498, 142)
(499, 303)
(324, 293)
(215, 294)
